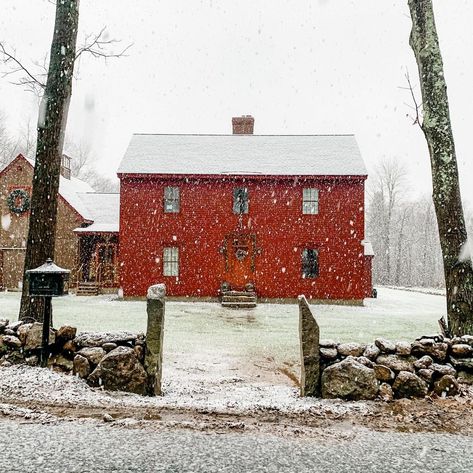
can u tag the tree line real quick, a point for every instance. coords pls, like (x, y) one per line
(403, 230)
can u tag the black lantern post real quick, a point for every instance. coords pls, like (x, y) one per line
(47, 281)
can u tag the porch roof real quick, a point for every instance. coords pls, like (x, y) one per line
(103, 209)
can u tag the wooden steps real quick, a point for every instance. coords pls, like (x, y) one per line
(87, 289)
(239, 299)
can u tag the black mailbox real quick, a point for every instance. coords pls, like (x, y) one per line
(47, 280)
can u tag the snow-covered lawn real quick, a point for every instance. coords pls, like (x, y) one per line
(267, 334)
(395, 314)
(223, 357)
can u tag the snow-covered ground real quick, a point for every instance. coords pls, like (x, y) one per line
(395, 314)
(221, 358)
(424, 290)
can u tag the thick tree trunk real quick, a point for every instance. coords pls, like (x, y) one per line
(51, 127)
(446, 190)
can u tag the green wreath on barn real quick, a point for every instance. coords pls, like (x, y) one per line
(18, 201)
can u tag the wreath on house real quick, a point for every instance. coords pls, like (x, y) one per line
(18, 201)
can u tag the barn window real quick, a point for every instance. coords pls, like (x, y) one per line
(310, 263)
(171, 261)
(310, 201)
(171, 199)
(240, 200)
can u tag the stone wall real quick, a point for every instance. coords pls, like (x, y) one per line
(387, 370)
(113, 360)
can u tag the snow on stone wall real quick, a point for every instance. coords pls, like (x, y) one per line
(431, 365)
(113, 360)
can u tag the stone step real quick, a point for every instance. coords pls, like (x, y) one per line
(239, 293)
(226, 298)
(239, 305)
(87, 289)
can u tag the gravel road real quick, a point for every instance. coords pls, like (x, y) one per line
(93, 447)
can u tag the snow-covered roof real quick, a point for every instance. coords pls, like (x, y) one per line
(69, 188)
(102, 209)
(99, 208)
(279, 155)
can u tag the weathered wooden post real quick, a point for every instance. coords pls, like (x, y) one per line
(309, 335)
(154, 338)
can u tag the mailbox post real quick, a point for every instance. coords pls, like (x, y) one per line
(47, 281)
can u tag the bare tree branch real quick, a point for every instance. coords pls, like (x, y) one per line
(417, 119)
(30, 80)
(97, 45)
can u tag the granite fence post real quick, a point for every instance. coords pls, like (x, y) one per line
(309, 335)
(154, 338)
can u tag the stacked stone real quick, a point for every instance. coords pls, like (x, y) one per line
(388, 370)
(21, 343)
(112, 360)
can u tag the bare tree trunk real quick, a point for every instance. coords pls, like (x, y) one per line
(446, 190)
(387, 242)
(51, 127)
(399, 261)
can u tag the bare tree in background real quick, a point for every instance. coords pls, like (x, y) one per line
(28, 140)
(11, 146)
(80, 155)
(387, 184)
(82, 167)
(404, 213)
(437, 130)
(8, 145)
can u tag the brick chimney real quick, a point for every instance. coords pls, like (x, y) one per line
(243, 125)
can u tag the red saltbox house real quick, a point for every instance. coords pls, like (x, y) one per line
(275, 214)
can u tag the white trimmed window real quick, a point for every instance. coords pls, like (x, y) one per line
(171, 199)
(310, 201)
(171, 261)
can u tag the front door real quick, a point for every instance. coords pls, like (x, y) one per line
(106, 263)
(239, 251)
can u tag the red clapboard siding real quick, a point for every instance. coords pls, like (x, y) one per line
(275, 218)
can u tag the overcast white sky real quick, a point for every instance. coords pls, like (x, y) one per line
(298, 66)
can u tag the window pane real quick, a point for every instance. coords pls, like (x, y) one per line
(240, 201)
(306, 194)
(310, 263)
(171, 261)
(171, 199)
(310, 201)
